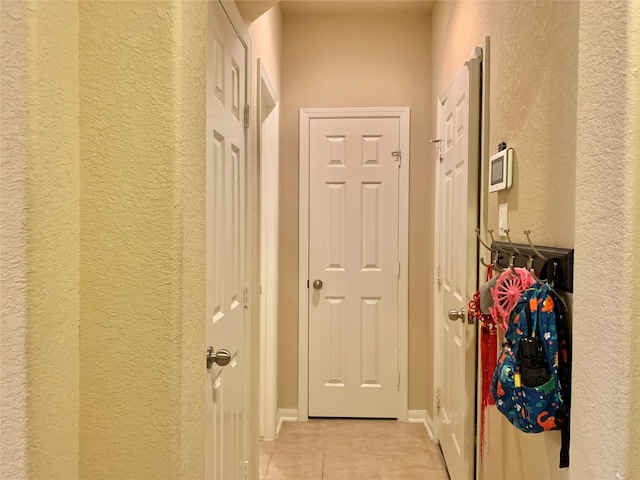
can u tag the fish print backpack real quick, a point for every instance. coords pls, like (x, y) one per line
(531, 382)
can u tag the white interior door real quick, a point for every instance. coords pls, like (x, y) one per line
(227, 188)
(353, 251)
(457, 207)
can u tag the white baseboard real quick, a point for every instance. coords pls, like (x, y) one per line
(423, 417)
(413, 416)
(286, 415)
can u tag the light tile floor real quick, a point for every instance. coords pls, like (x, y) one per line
(337, 449)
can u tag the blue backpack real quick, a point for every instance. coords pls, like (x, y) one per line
(531, 382)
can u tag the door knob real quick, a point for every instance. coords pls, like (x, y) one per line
(317, 284)
(455, 314)
(222, 357)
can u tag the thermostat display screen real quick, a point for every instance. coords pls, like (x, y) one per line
(501, 170)
(497, 169)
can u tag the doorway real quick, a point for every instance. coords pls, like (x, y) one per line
(268, 173)
(353, 262)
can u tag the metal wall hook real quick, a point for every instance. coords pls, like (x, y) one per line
(493, 242)
(518, 252)
(535, 250)
(494, 261)
(528, 257)
(493, 265)
(480, 240)
(483, 263)
(532, 271)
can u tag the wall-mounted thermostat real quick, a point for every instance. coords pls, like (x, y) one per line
(501, 170)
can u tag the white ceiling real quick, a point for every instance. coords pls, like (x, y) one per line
(356, 6)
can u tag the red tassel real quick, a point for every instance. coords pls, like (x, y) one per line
(489, 360)
(488, 356)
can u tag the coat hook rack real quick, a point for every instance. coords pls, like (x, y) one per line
(549, 263)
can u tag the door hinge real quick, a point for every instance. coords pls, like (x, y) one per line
(246, 295)
(398, 156)
(439, 276)
(247, 116)
(399, 269)
(438, 400)
(245, 464)
(307, 283)
(398, 382)
(438, 143)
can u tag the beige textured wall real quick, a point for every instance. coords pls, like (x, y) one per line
(142, 130)
(532, 103)
(357, 60)
(189, 22)
(634, 439)
(40, 196)
(13, 241)
(605, 438)
(634, 446)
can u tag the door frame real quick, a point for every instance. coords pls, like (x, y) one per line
(483, 203)
(306, 115)
(268, 173)
(480, 52)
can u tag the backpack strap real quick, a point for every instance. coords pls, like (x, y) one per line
(532, 323)
(564, 376)
(527, 315)
(565, 434)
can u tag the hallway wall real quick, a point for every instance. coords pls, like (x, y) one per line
(634, 445)
(357, 60)
(142, 238)
(532, 107)
(39, 254)
(606, 393)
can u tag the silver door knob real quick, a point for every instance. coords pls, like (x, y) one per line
(222, 357)
(317, 284)
(455, 314)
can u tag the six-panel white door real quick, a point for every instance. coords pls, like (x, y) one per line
(226, 387)
(353, 251)
(457, 207)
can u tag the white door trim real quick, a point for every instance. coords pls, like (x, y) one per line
(483, 203)
(268, 120)
(306, 115)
